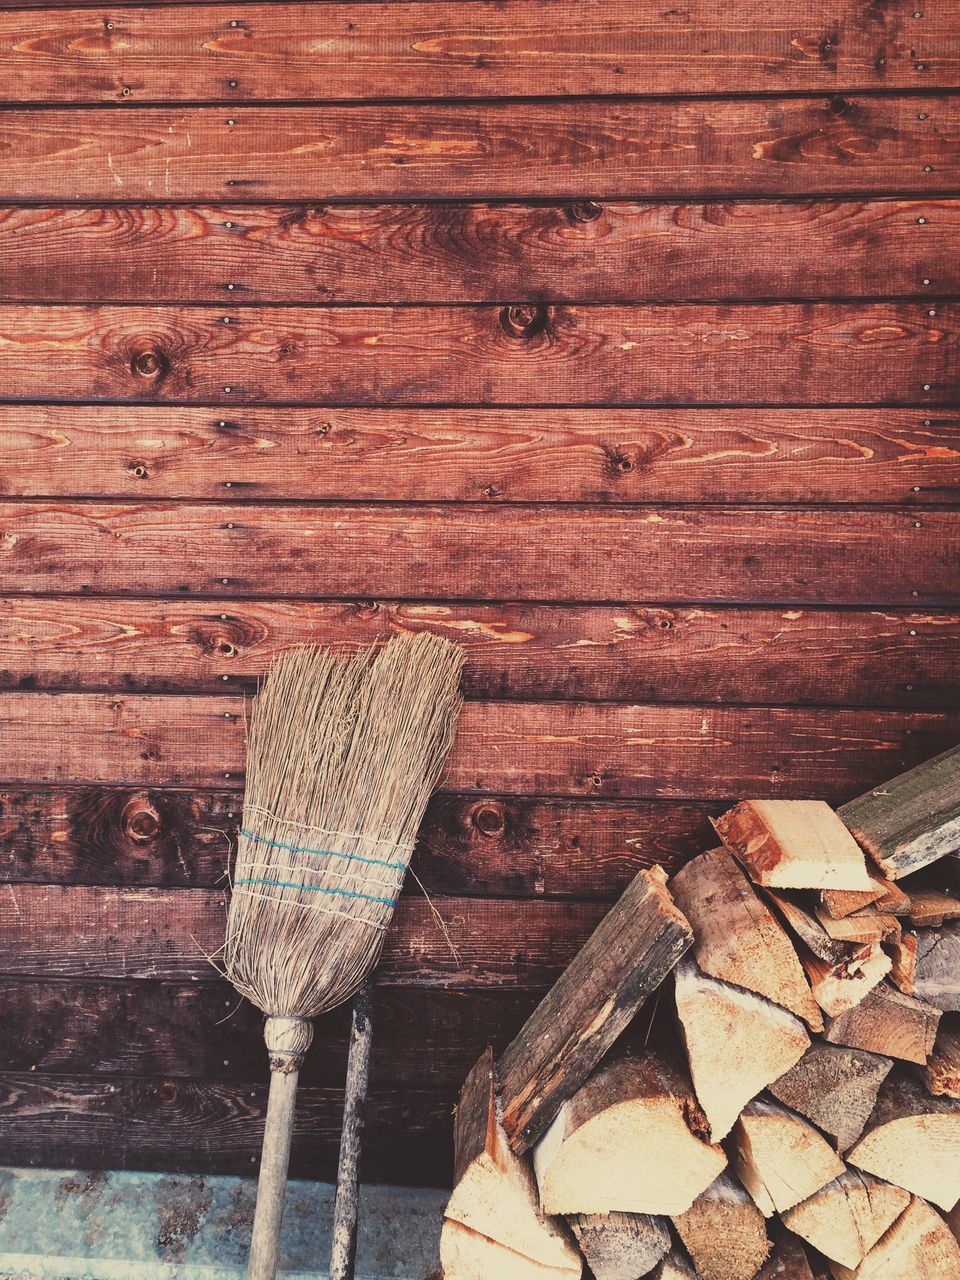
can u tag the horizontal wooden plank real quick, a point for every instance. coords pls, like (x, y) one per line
(487, 845)
(513, 748)
(526, 455)
(197, 1126)
(629, 653)
(98, 932)
(202, 1030)
(579, 252)
(595, 149)
(815, 353)
(761, 554)
(376, 50)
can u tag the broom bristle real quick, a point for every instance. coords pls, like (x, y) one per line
(342, 755)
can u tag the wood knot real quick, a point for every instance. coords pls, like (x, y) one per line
(525, 320)
(167, 1093)
(151, 363)
(140, 821)
(584, 211)
(840, 106)
(489, 819)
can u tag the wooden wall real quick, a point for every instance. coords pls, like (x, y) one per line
(617, 342)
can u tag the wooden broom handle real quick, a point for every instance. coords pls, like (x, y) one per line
(344, 1252)
(287, 1040)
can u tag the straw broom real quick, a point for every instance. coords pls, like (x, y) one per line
(342, 755)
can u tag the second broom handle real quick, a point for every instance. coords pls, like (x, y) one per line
(344, 1251)
(287, 1041)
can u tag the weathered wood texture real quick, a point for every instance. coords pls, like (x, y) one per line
(869, 353)
(581, 251)
(545, 552)
(517, 748)
(631, 652)
(480, 49)
(208, 1126)
(630, 148)
(485, 845)
(909, 456)
(79, 931)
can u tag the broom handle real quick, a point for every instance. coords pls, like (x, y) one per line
(287, 1041)
(344, 1253)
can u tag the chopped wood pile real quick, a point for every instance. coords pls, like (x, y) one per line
(791, 1112)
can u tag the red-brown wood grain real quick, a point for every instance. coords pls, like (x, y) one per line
(520, 748)
(208, 1126)
(816, 353)
(788, 555)
(648, 653)
(488, 455)
(600, 149)
(474, 845)
(264, 52)
(582, 251)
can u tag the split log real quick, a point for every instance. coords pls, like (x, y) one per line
(913, 1140)
(724, 1232)
(794, 844)
(903, 962)
(675, 1266)
(846, 1218)
(621, 1246)
(736, 936)
(788, 1261)
(629, 954)
(589, 1160)
(835, 1087)
(931, 907)
(860, 927)
(912, 820)
(885, 895)
(937, 973)
(779, 1157)
(919, 1244)
(942, 1072)
(737, 1043)
(894, 899)
(805, 926)
(839, 987)
(887, 1021)
(492, 1222)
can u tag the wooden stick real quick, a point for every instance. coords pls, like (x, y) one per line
(287, 1041)
(343, 1254)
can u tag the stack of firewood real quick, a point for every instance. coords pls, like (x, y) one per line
(791, 1111)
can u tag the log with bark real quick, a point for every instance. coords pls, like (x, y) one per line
(724, 1232)
(794, 844)
(629, 954)
(492, 1223)
(942, 1072)
(913, 1140)
(588, 1161)
(911, 821)
(835, 1087)
(736, 1042)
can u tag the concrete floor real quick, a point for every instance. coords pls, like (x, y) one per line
(66, 1225)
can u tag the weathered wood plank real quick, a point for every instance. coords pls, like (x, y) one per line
(631, 148)
(545, 553)
(579, 252)
(377, 50)
(631, 653)
(531, 455)
(476, 845)
(98, 932)
(591, 749)
(123, 1123)
(868, 353)
(201, 1030)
